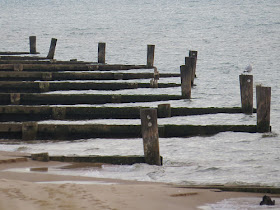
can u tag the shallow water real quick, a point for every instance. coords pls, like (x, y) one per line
(228, 36)
(240, 203)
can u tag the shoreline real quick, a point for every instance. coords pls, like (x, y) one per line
(42, 190)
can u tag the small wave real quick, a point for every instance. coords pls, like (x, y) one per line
(249, 160)
(113, 168)
(239, 203)
(91, 149)
(21, 149)
(209, 169)
(270, 135)
(239, 183)
(170, 163)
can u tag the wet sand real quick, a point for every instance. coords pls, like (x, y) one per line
(19, 190)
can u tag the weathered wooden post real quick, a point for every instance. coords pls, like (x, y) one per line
(52, 48)
(32, 43)
(193, 54)
(101, 52)
(150, 136)
(246, 92)
(192, 62)
(150, 55)
(186, 74)
(153, 83)
(164, 110)
(29, 130)
(41, 157)
(263, 108)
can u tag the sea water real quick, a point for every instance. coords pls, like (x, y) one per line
(228, 36)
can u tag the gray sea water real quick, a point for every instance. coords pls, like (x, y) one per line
(228, 35)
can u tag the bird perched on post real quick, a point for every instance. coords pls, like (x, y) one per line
(248, 69)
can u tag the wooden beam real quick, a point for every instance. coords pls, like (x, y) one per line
(78, 131)
(33, 113)
(31, 76)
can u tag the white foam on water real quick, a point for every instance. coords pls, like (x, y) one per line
(244, 203)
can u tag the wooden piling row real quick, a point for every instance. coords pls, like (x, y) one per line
(36, 113)
(45, 61)
(31, 76)
(78, 131)
(45, 86)
(263, 101)
(53, 99)
(25, 68)
(8, 53)
(93, 159)
(54, 67)
(22, 58)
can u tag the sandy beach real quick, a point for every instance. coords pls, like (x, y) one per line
(42, 190)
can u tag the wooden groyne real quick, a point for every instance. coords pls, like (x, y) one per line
(32, 44)
(72, 99)
(54, 67)
(20, 113)
(25, 100)
(52, 76)
(93, 159)
(234, 188)
(43, 86)
(33, 130)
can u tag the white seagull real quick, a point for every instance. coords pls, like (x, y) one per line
(248, 69)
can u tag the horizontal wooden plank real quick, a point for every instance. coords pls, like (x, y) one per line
(242, 188)
(92, 159)
(184, 111)
(31, 113)
(53, 61)
(115, 160)
(50, 76)
(37, 87)
(204, 130)
(10, 57)
(72, 131)
(63, 66)
(16, 53)
(56, 99)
